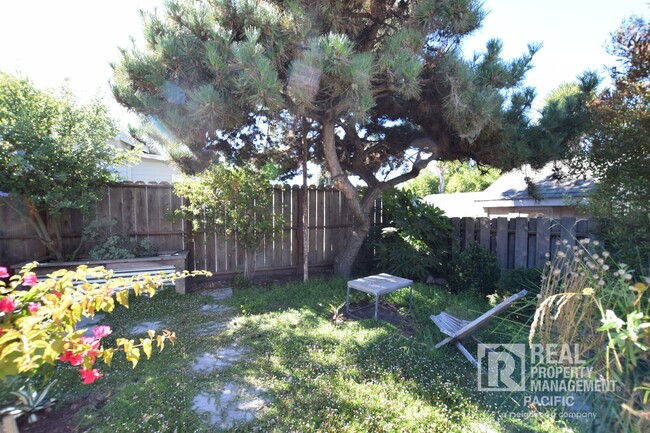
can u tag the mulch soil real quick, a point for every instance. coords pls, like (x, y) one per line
(61, 419)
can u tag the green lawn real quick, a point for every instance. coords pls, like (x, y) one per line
(316, 375)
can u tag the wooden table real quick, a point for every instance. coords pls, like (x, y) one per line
(378, 285)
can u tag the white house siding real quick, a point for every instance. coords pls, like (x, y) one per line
(149, 170)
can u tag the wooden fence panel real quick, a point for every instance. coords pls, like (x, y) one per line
(502, 241)
(484, 233)
(468, 235)
(311, 225)
(142, 210)
(519, 242)
(543, 242)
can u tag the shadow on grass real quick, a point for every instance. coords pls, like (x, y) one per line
(360, 375)
(317, 375)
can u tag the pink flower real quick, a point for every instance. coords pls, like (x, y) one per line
(89, 376)
(30, 280)
(94, 344)
(7, 304)
(3, 272)
(70, 357)
(33, 307)
(102, 331)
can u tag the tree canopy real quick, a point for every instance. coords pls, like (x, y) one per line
(54, 154)
(375, 90)
(457, 176)
(616, 146)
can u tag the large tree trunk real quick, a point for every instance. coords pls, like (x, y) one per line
(359, 206)
(345, 258)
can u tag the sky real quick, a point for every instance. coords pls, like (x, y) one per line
(75, 40)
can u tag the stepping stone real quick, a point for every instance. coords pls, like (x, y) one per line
(234, 405)
(217, 293)
(145, 326)
(224, 357)
(212, 329)
(215, 309)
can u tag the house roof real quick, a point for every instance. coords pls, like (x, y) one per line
(150, 151)
(553, 186)
(457, 204)
(551, 182)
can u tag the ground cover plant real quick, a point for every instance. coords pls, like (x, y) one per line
(312, 373)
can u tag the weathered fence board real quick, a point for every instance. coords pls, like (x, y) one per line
(143, 211)
(519, 242)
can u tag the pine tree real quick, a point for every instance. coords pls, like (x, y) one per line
(378, 89)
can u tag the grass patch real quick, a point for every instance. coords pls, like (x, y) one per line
(315, 375)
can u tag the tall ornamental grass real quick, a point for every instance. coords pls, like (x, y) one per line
(588, 298)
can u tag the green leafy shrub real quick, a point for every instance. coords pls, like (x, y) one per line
(514, 280)
(114, 246)
(122, 247)
(475, 269)
(415, 242)
(237, 200)
(54, 155)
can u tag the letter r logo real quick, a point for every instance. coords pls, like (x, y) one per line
(503, 365)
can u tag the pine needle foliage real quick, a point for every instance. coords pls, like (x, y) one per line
(373, 89)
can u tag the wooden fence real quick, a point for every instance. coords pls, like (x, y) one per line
(140, 210)
(144, 210)
(519, 242)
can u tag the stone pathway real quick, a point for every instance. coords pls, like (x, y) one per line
(234, 403)
(145, 326)
(223, 406)
(225, 357)
(218, 294)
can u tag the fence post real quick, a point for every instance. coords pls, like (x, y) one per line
(301, 251)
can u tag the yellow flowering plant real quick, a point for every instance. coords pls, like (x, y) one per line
(38, 318)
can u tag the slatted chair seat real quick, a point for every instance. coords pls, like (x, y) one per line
(458, 330)
(448, 324)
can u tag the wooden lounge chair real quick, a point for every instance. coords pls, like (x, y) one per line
(458, 330)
